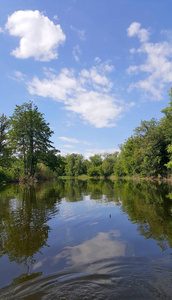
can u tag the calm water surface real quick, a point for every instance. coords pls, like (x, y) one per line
(86, 240)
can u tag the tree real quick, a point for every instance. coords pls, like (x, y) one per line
(166, 124)
(169, 150)
(51, 159)
(96, 160)
(74, 164)
(152, 148)
(108, 164)
(29, 135)
(94, 171)
(166, 121)
(118, 163)
(79, 165)
(4, 148)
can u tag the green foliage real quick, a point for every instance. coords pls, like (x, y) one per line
(25, 143)
(145, 153)
(51, 159)
(44, 172)
(29, 135)
(152, 148)
(60, 166)
(169, 150)
(5, 150)
(94, 171)
(74, 165)
(118, 164)
(96, 160)
(108, 164)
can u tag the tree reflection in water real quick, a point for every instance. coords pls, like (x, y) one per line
(25, 211)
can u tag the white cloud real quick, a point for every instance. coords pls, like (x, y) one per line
(93, 76)
(68, 146)
(18, 76)
(76, 52)
(55, 87)
(72, 140)
(39, 37)
(64, 152)
(157, 65)
(97, 60)
(1, 30)
(87, 93)
(90, 152)
(134, 29)
(66, 139)
(98, 109)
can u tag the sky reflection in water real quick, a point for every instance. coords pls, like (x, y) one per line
(88, 228)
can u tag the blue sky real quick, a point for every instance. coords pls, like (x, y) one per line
(95, 68)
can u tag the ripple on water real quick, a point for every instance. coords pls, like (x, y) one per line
(134, 279)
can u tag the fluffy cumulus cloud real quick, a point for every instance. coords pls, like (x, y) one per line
(39, 36)
(87, 93)
(53, 86)
(136, 30)
(157, 66)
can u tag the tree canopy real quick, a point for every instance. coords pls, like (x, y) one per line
(29, 136)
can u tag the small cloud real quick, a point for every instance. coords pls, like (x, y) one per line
(76, 52)
(18, 76)
(135, 29)
(97, 60)
(132, 69)
(86, 143)
(71, 140)
(55, 17)
(91, 152)
(68, 146)
(1, 30)
(65, 152)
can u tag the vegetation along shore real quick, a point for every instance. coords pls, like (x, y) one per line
(27, 152)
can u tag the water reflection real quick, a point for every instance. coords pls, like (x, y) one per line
(24, 212)
(149, 206)
(65, 225)
(93, 252)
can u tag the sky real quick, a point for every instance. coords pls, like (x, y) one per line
(94, 68)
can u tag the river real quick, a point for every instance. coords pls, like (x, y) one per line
(94, 239)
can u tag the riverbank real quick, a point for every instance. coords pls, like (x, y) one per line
(33, 180)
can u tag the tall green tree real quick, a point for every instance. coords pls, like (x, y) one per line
(96, 160)
(108, 164)
(4, 146)
(166, 124)
(152, 148)
(74, 164)
(30, 136)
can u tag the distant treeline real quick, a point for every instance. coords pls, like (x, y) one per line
(26, 150)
